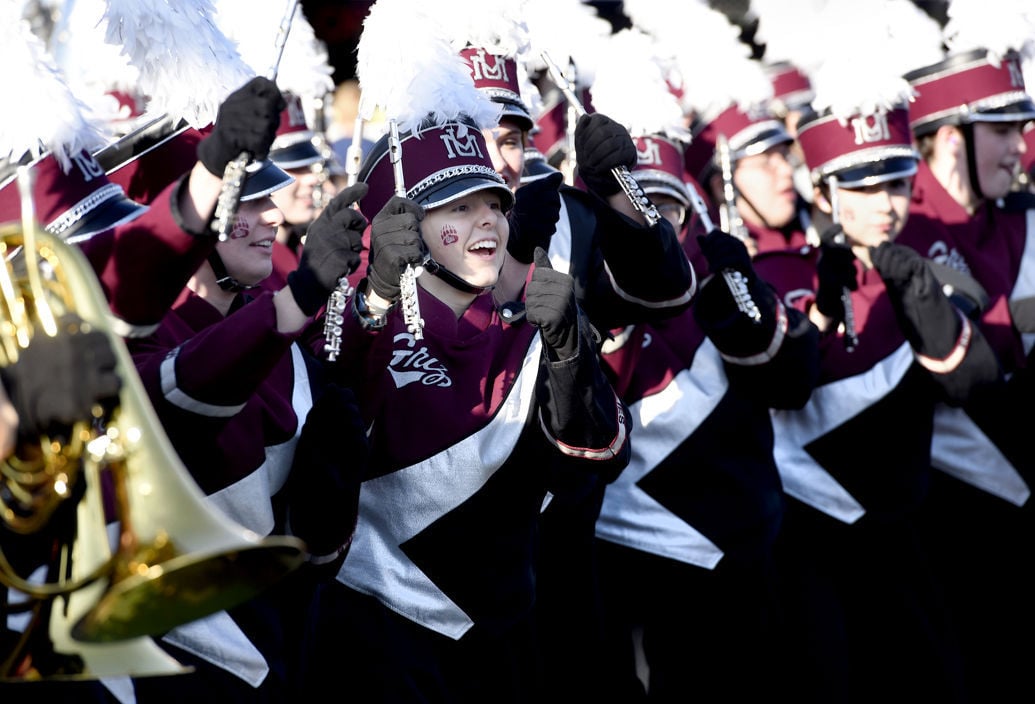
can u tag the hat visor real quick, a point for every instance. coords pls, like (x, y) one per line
(262, 178)
(518, 114)
(296, 156)
(1018, 111)
(455, 188)
(537, 168)
(111, 213)
(875, 172)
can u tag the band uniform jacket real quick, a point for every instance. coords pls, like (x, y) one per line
(878, 390)
(985, 443)
(144, 264)
(702, 481)
(229, 392)
(469, 428)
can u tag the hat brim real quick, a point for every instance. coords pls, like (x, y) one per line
(874, 172)
(111, 213)
(262, 178)
(536, 166)
(456, 188)
(296, 156)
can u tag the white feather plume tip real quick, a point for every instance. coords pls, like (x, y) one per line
(996, 25)
(630, 87)
(569, 32)
(62, 126)
(187, 65)
(427, 80)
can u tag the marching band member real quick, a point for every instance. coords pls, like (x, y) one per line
(686, 532)
(864, 612)
(252, 416)
(476, 410)
(586, 231)
(968, 118)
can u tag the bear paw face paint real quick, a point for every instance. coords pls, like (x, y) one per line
(448, 235)
(241, 229)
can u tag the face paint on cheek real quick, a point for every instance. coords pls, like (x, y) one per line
(241, 229)
(448, 235)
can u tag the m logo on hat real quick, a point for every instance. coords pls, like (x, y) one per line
(468, 147)
(871, 128)
(650, 156)
(87, 166)
(481, 71)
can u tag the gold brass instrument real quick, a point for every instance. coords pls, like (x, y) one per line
(175, 558)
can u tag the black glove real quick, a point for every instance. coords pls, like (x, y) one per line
(601, 144)
(929, 320)
(330, 462)
(550, 305)
(58, 380)
(332, 247)
(724, 251)
(247, 121)
(836, 272)
(395, 242)
(533, 219)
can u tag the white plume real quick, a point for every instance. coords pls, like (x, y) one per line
(996, 25)
(631, 89)
(894, 36)
(62, 127)
(426, 80)
(568, 31)
(187, 66)
(254, 27)
(789, 34)
(497, 26)
(91, 66)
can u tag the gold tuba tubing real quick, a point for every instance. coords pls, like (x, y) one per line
(166, 557)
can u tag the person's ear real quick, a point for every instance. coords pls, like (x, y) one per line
(820, 200)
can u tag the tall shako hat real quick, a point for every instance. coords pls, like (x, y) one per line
(428, 92)
(494, 44)
(304, 75)
(293, 147)
(726, 90)
(573, 35)
(792, 89)
(187, 67)
(631, 88)
(857, 128)
(72, 196)
(981, 78)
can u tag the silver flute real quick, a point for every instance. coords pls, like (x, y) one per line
(630, 187)
(851, 337)
(731, 224)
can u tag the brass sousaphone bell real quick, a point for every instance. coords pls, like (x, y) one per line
(176, 558)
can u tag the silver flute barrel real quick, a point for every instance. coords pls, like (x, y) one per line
(732, 225)
(408, 281)
(630, 187)
(851, 337)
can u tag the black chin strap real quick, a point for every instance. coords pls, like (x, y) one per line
(968, 139)
(225, 281)
(436, 269)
